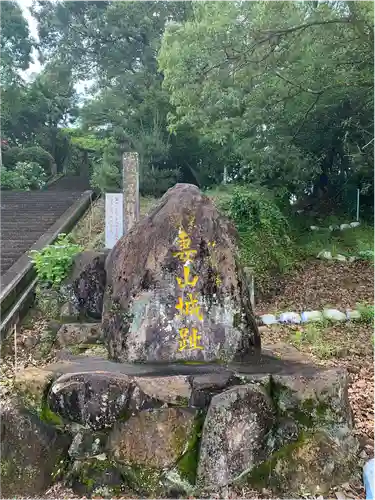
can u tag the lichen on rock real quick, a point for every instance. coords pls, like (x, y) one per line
(182, 295)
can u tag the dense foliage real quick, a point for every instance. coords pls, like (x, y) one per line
(24, 176)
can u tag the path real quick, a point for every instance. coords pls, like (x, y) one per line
(26, 215)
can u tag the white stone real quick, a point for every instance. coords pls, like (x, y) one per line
(114, 216)
(344, 226)
(355, 224)
(334, 315)
(325, 254)
(310, 316)
(353, 314)
(353, 258)
(268, 319)
(314, 228)
(290, 317)
(340, 258)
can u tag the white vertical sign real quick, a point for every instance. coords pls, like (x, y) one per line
(114, 227)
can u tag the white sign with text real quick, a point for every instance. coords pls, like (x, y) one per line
(114, 226)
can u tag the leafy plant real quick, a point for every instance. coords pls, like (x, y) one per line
(53, 262)
(367, 313)
(34, 154)
(265, 245)
(25, 176)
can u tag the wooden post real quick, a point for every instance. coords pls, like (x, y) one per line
(130, 173)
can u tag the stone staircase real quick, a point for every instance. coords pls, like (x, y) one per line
(26, 215)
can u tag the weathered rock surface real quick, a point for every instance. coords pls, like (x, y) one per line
(97, 477)
(30, 385)
(322, 397)
(175, 390)
(234, 438)
(93, 399)
(31, 452)
(78, 333)
(155, 439)
(181, 295)
(84, 289)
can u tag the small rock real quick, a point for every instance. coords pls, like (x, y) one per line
(325, 254)
(78, 333)
(340, 258)
(311, 316)
(314, 228)
(353, 314)
(93, 399)
(334, 315)
(344, 226)
(268, 319)
(290, 317)
(173, 390)
(87, 444)
(352, 258)
(355, 224)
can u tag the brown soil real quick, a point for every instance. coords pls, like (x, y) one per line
(320, 284)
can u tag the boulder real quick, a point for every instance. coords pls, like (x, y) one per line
(78, 333)
(30, 385)
(175, 288)
(93, 399)
(289, 432)
(157, 450)
(32, 452)
(154, 438)
(234, 438)
(84, 288)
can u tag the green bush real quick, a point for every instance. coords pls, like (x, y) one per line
(25, 176)
(53, 262)
(367, 313)
(106, 177)
(13, 180)
(34, 154)
(265, 245)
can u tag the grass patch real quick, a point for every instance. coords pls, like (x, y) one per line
(358, 241)
(313, 336)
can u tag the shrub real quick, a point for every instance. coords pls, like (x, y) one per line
(34, 154)
(106, 177)
(265, 245)
(33, 172)
(25, 176)
(13, 180)
(367, 313)
(53, 262)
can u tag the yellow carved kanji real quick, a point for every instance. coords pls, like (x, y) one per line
(184, 242)
(189, 340)
(184, 282)
(189, 307)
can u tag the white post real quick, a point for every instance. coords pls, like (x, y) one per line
(357, 205)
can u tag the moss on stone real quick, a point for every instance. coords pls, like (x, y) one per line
(93, 475)
(263, 476)
(187, 465)
(144, 480)
(48, 416)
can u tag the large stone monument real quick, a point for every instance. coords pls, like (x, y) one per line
(175, 290)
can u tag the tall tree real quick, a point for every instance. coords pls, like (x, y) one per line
(287, 86)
